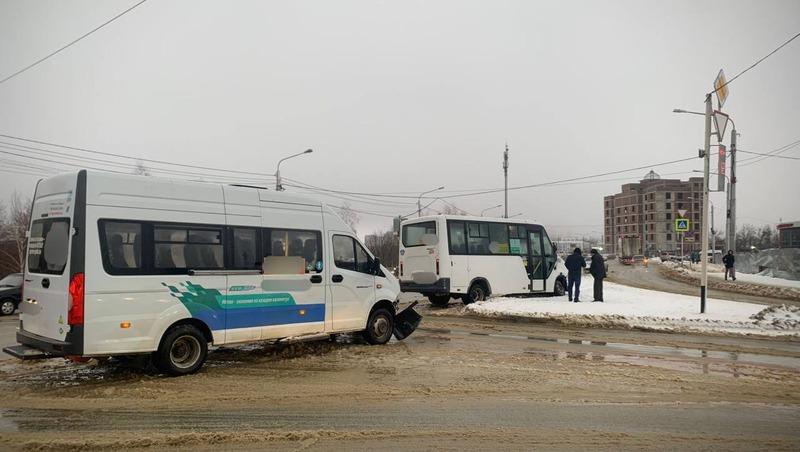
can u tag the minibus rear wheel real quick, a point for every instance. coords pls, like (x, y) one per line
(182, 351)
(439, 300)
(476, 292)
(380, 327)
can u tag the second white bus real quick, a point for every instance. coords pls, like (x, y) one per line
(470, 258)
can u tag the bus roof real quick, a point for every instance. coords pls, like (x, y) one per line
(470, 218)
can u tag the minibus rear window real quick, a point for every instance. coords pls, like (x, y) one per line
(412, 233)
(48, 246)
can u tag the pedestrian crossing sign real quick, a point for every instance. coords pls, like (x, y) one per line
(681, 224)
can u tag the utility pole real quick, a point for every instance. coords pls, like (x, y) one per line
(704, 217)
(731, 232)
(505, 172)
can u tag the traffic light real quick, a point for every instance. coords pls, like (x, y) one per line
(721, 168)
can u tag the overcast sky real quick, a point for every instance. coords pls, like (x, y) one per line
(401, 97)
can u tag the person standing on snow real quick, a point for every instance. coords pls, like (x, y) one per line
(575, 264)
(728, 260)
(598, 270)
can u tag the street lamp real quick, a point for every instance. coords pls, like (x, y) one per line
(278, 185)
(704, 229)
(419, 199)
(490, 208)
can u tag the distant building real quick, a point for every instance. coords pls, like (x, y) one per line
(789, 235)
(641, 218)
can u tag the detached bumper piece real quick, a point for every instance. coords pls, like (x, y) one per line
(406, 321)
(25, 352)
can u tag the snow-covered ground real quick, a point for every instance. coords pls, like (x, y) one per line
(630, 307)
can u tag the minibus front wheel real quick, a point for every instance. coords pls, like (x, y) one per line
(380, 327)
(182, 351)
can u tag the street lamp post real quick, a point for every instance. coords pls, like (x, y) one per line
(490, 208)
(278, 184)
(705, 202)
(419, 199)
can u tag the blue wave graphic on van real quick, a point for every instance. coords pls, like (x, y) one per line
(221, 312)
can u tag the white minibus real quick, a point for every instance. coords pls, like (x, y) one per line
(124, 265)
(470, 258)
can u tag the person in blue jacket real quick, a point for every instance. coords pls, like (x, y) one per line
(575, 264)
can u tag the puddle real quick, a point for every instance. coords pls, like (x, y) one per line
(709, 361)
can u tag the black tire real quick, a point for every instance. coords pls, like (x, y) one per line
(559, 289)
(439, 300)
(182, 351)
(7, 306)
(476, 292)
(380, 327)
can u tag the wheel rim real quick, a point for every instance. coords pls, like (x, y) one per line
(381, 326)
(185, 352)
(7, 307)
(476, 293)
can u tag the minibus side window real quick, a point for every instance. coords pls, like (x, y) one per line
(122, 246)
(296, 243)
(245, 244)
(350, 255)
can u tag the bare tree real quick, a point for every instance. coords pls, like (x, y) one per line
(140, 169)
(384, 246)
(451, 209)
(349, 216)
(13, 230)
(746, 238)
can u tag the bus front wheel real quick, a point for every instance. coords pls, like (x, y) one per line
(559, 289)
(182, 351)
(476, 293)
(439, 300)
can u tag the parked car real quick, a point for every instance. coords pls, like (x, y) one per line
(10, 293)
(668, 255)
(611, 257)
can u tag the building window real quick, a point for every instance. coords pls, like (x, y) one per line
(680, 195)
(669, 206)
(669, 215)
(669, 195)
(669, 237)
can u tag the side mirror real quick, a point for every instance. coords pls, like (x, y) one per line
(376, 266)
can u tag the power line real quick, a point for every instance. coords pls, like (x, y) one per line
(71, 43)
(769, 155)
(754, 64)
(129, 158)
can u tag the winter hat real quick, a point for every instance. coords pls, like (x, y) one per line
(577, 250)
(594, 251)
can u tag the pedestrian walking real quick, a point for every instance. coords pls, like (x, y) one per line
(728, 260)
(598, 270)
(575, 264)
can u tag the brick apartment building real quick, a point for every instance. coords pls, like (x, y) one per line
(645, 212)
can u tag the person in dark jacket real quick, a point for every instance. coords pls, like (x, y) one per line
(728, 260)
(598, 270)
(575, 264)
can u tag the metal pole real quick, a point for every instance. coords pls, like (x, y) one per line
(505, 173)
(419, 199)
(713, 235)
(278, 184)
(704, 218)
(733, 189)
(728, 235)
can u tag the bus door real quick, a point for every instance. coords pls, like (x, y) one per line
(541, 258)
(536, 261)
